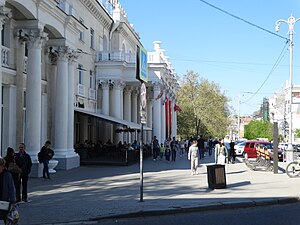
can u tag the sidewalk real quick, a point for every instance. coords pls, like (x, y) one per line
(95, 192)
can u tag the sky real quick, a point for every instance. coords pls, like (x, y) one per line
(239, 57)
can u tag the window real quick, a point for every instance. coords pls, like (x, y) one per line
(92, 38)
(91, 80)
(81, 34)
(80, 74)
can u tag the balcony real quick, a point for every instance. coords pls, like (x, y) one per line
(116, 56)
(81, 90)
(92, 94)
(5, 56)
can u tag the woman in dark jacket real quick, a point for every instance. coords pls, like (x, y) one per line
(10, 159)
(7, 188)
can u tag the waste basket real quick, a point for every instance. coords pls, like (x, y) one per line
(216, 176)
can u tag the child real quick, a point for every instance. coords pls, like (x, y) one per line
(162, 151)
(168, 153)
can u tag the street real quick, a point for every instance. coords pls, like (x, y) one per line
(265, 215)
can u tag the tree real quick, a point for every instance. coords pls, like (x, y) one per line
(204, 107)
(259, 129)
(297, 133)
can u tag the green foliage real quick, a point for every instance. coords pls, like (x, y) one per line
(204, 108)
(297, 133)
(259, 129)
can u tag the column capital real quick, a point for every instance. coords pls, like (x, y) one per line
(105, 84)
(135, 91)
(73, 56)
(5, 13)
(34, 37)
(119, 85)
(128, 90)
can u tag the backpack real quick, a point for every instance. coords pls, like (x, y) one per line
(40, 157)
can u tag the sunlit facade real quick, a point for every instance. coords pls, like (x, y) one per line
(68, 75)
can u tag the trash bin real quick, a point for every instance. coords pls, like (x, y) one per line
(216, 177)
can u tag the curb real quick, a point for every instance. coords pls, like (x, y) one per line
(207, 207)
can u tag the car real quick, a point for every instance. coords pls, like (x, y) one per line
(252, 145)
(239, 148)
(283, 146)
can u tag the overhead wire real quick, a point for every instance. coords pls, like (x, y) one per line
(245, 21)
(280, 57)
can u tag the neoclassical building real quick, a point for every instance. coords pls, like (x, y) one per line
(69, 74)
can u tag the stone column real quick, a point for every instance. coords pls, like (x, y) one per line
(174, 116)
(127, 104)
(105, 86)
(117, 89)
(9, 117)
(105, 97)
(117, 99)
(20, 90)
(5, 13)
(33, 92)
(163, 118)
(61, 102)
(134, 107)
(51, 91)
(149, 118)
(64, 107)
(157, 112)
(127, 109)
(71, 74)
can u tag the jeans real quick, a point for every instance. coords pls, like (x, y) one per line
(46, 169)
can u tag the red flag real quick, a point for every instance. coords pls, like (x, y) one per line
(177, 108)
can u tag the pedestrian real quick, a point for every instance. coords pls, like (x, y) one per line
(162, 151)
(46, 155)
(23, 160)
(231, 152)
(193, 155)
(201, 146)
(11, 166)
(181, 146)
(7, 190)
(220, 152)
(168, 153)
(156, 148)
(173, 145)
(210, 146)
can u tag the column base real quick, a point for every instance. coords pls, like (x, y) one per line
(68, 160)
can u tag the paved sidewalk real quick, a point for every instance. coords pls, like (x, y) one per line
(93, 192)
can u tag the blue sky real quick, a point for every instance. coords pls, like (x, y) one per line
(220, 48)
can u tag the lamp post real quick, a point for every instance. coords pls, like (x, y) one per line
(291, 21)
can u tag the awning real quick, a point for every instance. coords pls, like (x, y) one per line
(111, 119)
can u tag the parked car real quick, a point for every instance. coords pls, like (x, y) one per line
(239, 148)
(283, 146)
(251, 145)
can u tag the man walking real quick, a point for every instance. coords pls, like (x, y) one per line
(156, 148)
(23, 160)
(46, 155)
(193, 155)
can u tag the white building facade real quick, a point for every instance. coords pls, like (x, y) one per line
(68, 75)
(280, 107)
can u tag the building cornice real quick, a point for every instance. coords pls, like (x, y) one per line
(98, 12)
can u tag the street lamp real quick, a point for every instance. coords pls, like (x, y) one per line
(291, 22)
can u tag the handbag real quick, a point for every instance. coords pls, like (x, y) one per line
(14, 168)
(4, 209)
(13, 215)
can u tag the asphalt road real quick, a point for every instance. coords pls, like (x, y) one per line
(267, 215)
